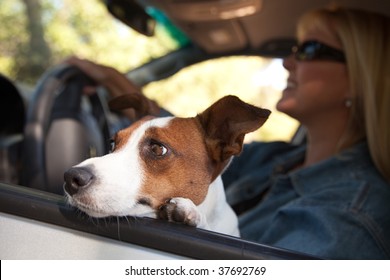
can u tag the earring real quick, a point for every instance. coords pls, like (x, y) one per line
(348, 103)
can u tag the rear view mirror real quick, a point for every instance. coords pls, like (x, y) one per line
(132, 14)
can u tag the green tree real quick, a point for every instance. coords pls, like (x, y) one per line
(37, 34)
(34, 55)
(12, 35)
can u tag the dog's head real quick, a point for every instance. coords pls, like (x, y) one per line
(156, 159)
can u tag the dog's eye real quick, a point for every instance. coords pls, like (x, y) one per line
(158, 149)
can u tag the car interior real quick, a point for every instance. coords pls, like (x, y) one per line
(58, 127)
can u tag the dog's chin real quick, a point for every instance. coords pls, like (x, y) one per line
(134, 212)
(90, 211)
(93, 213)
(137, 210)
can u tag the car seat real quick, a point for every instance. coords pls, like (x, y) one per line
(12, 117)
(63, 128)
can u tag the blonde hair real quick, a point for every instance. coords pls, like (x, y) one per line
(365, 37)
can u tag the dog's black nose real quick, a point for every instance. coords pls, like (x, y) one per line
(77, 178)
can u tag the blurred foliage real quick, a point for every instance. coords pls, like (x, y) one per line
(82, 28)
(63, 28)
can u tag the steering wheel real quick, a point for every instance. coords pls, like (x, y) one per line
(63, 127)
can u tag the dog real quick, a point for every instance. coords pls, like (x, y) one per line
(168, 168)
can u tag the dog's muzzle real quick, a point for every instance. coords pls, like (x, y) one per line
(76, 179)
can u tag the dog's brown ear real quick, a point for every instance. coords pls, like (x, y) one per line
(225, 124)
(130, 101)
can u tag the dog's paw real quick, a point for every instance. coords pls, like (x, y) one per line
(180, 210)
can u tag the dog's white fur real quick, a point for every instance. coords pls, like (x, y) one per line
(118, 184)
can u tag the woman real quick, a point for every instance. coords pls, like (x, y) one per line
(330, 197)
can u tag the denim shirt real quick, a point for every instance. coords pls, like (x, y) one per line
(336, 209)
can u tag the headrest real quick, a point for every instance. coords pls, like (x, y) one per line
(12, 119)
(12, 111)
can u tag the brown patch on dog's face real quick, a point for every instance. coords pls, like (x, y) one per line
(175, 162)
(121, 138)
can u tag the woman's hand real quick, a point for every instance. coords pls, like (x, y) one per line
(117, 84)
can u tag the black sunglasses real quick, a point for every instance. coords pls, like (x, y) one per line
(314, 50)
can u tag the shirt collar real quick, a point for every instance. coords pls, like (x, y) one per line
(306, 180)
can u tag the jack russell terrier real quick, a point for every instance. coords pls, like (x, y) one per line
(168, 168)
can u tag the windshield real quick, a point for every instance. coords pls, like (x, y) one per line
(36, 35)
(39, 34)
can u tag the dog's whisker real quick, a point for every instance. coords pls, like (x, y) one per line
(127, 219)
(118, 227)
